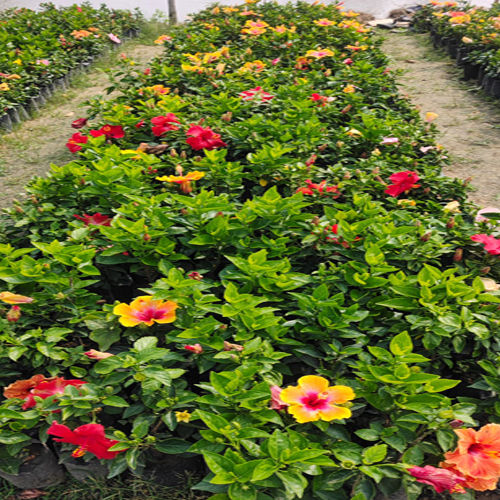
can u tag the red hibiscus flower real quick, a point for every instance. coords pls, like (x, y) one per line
(320, 188)
(402, 182)
(320, 99)
(81, 122)
(89, 438)
(75, 141)
(440, 479)
(110, 131)
(164, 123)
(204, 138)
(48, 387)
(256, 94)
(94, 220)
(491, 244)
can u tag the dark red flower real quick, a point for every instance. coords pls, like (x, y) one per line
(491, 244)
(320, 188)
(440, 479)
(81, 122)
(94, 220)
(110, 131)
(204, 138)
(47, 388)
(402, 182)
(89, 438)
(75, 141)
(164, 124)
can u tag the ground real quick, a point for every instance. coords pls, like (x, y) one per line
(35, 144)
(468, 122)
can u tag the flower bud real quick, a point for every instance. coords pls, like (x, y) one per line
(196, 348)
(451, 223)
(455, 424)
(322, 147)
(458, 255)
(426, 236)
(173, 153)
(93, 354)
(195, 276)
(427, 190)
(485, 270)
(226, 117)
(146, 237)
(14, 314)
(232, 347)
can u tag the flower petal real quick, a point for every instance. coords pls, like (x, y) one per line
(313, 383)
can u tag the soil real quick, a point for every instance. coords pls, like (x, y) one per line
(37, 143)
(468, 122)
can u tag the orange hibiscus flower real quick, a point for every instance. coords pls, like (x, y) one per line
(146, 310)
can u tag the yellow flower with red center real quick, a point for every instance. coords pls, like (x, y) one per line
(183, 180)
(283, 29)
(313, 399)
(146, 310)
(14, 298)
(356, 48)
(158, 89)
(349, 89)
(253, 31)
(430, 116)
(324, 22)
(319, 54)
(162, 39)
(252, 66)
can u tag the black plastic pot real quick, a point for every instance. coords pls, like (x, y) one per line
(85, 471)
(14, 115)
(23, 114)
(460, 57)
(452, 48)
(486, 83)
(471, 71)
(45, 93)
(41, 471)
(5, 123)
(495, 88)
(32, 105)
(170, 470)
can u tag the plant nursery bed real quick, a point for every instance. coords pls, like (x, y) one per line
(254, 270)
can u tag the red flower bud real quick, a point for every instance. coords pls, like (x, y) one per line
(426, 236)
(457, 257)
(195, 276)
(14, 314)
(196, 348)
(146, 237)
(451, 223)
(81, 122)
(455, 424)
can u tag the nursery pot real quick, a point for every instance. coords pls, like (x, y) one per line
(14, 115)
(32, 105)
(170, 470)
(5, 122)
(40, 470)
(23, 113)
(495, 87)
(452, 47)
(471, 71)
(84, 471)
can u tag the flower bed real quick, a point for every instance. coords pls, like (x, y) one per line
(254, 258)
(471, 35)
(44, 48)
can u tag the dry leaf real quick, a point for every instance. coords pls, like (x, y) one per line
(27, 494)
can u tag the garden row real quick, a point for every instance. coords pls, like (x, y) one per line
(471, 35)
(43, 50)
(255, 258)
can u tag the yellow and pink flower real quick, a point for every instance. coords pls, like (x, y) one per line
(14, 298)
(146, 310)
(313, 399)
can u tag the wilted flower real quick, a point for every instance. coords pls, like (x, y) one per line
(228, 346)
(481, 215)
(276, 402)
(349, 89)
(430, 116)
(441, 479)
(114, 38)
(146, 310)
(312, 399)
(389, 140)
(93, 354)
(81, 122)
(14, 298)
(89, 438)
(195, 275)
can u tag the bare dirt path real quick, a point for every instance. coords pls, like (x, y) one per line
(30, 149)
(469, 121)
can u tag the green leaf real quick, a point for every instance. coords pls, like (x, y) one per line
(374, 454)
(401, 303)
(401, 344)
(115, 401)
(374, 256)
(238, 491)
(10, 437)
(218, 464)
(442, 384)
(264, 469)
(446, 439)
(213, 421)
(172, 446)
(295, 483)
(145, 343)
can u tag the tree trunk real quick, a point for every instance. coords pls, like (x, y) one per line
(172, 12)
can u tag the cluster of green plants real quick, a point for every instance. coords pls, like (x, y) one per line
(257, 206)
(473, 31)
(41, 46)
